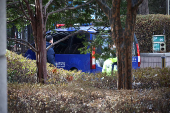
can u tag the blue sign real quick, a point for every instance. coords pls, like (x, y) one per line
(156, 46)
(158, 38)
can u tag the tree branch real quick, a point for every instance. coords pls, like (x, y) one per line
(65, 38)
(29, 10)
(105, 8)
(49, 2)
(27, 43)
(14, 19)
(135, 6)
(45, 17)
(68, 8)
(24, 12)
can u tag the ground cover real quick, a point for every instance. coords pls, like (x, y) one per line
(67, 91)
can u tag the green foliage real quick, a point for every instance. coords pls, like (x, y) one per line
(102, 20)
(68, 17)
(101, 42)
(20, 69)
(23, 70)
(148, 25)
(15, 15)
(157, 6)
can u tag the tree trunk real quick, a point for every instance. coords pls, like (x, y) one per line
(40, 42)
(128, 41)
(123, 41)
(143, 8)
(41, 60)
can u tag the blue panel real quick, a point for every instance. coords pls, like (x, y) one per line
(135, 62)
(79, 61)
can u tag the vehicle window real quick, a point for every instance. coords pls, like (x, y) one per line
(62, 46)
(77, 42)
(70, 45)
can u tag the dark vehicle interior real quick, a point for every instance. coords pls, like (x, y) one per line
(70, 45)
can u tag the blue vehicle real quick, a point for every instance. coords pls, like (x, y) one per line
(67, 55)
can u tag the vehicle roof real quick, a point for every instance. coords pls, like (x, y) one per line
(90, 29)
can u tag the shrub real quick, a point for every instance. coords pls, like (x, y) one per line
(19, 69)
(68, 91)
(151, 78)
(153, 24)
(24, 70)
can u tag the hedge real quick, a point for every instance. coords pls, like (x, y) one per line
(153, 24)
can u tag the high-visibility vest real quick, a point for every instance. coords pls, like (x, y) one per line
(108, 66)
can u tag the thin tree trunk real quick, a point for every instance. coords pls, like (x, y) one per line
(129, 35)
(41, 62)
(40, 43)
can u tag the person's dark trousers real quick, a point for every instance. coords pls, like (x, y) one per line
(115, 63)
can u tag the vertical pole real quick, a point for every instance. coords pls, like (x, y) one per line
(3, 62)
(168, 7)
(163, 61)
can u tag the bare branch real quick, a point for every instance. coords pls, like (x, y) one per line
(27, 43)
(15, 19)
(29, 10)
(49, 2)
(68, 8)
(135, 6)
(12, 3)
(104, 7)
(45, 11)
(24, 12)
(65, 38)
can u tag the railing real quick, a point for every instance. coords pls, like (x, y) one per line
(155, 60)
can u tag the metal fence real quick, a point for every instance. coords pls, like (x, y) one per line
(155, 60)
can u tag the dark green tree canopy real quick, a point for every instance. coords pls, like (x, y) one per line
(157, 6)
(57, 12)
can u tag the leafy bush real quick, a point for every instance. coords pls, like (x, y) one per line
(23, 70)
(152, 77)
(20, 69)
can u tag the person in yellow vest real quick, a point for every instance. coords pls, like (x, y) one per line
(110, 65)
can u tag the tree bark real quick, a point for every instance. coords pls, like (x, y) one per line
(143, 8)
(40, 42)
(128, 40)
(123, 38)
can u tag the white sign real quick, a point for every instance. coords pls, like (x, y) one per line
(60, 64)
